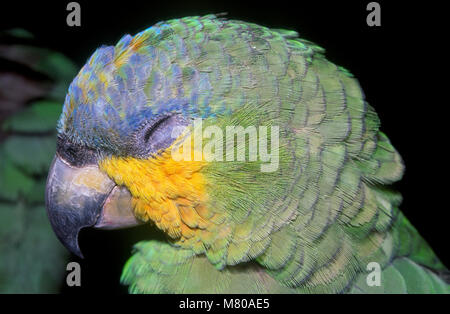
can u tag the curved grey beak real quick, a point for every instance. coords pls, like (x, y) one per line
(80, 197)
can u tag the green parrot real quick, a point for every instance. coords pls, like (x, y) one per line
(33, 84)
(316, 214)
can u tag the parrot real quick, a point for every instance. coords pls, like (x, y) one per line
(325, 220)
(33, 84)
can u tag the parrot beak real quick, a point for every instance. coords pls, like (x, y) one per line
(80, 197)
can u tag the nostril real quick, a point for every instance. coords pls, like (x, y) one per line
(74, 154)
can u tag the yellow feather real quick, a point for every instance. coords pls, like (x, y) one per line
(170, 193)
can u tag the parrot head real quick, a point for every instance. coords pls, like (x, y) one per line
(112, 168)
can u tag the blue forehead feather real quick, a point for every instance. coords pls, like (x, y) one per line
(108, 100)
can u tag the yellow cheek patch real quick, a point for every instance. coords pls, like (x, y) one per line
(170, 193)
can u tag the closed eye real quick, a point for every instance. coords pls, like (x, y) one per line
(154, 127)
(155, 136)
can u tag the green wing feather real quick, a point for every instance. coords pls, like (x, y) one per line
(314, 224)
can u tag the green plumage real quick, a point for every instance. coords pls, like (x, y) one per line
(328, 211)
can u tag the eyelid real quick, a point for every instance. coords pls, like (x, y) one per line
(155, 126)
(153, 135)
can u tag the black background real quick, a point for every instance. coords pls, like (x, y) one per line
(397, 64)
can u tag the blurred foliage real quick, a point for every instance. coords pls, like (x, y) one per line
(32, 90)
